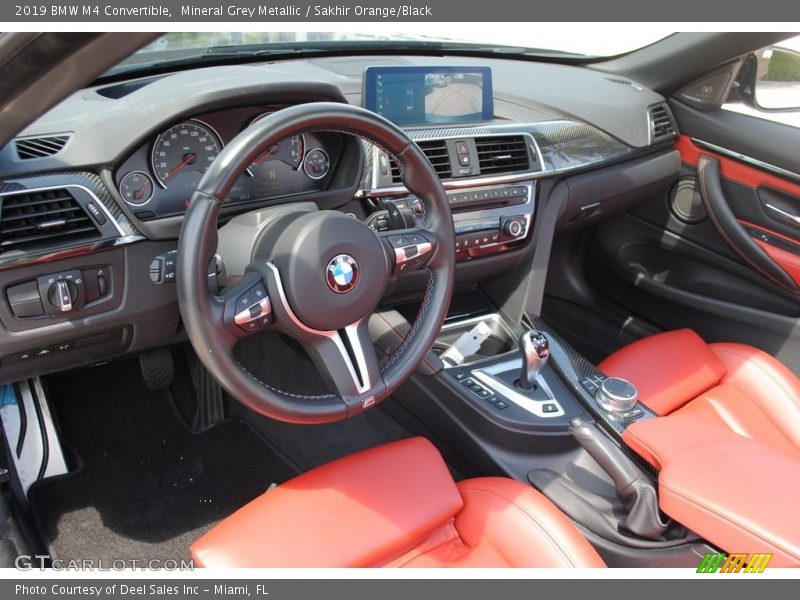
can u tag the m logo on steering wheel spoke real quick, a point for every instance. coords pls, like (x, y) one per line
(342, 273)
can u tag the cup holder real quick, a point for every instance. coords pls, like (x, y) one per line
(501, 340)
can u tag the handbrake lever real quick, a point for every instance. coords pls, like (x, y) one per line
(632, 485)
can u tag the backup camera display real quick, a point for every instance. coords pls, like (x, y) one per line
(429, 95)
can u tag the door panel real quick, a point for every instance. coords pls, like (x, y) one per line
(788, 258)
(731, 230)
(767, 141)
(732, 271)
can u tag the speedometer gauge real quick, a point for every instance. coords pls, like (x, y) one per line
(185, 149)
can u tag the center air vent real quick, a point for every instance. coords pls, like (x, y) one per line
(32, 219)
(662, 125)
(436, 151)
(39, 147)
(502, 154)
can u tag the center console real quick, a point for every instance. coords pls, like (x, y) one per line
(519, 381)
(518, 400)
(504, 372)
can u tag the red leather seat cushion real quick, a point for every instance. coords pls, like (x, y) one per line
(504, 523)
(395, 505)
(668, 369)
(353, 512)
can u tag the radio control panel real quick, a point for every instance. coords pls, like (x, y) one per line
(486, 220)
(492, 220)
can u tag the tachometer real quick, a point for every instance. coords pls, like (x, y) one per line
(185, 149)
(277, 163)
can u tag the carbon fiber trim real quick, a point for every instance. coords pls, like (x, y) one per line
(563, 145)
(91, 185)
(572, 145)
(91, 181)
(368, 174)
(574, 368)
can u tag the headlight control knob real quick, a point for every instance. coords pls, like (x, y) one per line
(62, 294)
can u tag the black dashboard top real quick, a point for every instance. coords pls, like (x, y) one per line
(150, 138)
(524, 92)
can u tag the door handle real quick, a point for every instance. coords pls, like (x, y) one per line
(728, 226)
(781, 215)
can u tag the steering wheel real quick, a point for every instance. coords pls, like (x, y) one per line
(318, 277)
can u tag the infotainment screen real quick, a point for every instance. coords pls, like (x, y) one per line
(429, 95)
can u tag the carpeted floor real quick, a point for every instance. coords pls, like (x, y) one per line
(307, 446)
(147, 486)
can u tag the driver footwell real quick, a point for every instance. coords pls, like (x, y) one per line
(143, 486)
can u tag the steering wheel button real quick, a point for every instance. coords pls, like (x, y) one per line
(257, 292)
(398, 241)
(244, 302)
(255, 310)
(410, 251)
(415, 238)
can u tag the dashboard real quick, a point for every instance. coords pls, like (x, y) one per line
(92, 194)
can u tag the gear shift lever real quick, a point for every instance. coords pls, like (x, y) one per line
(535, 352)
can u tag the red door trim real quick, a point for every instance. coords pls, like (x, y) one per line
(733, 169)
(772, 232)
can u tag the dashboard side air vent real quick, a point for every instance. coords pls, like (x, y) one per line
(40, 147)
(31, 219)
(502, 154)
(438, 155)
(662, 125)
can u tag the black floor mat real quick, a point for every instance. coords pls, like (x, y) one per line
(147, 487)
(289, 368)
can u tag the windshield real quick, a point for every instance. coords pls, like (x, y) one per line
(509, 41)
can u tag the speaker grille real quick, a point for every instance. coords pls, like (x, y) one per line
(686, 202)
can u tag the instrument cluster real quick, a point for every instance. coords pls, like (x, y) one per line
(159, 178)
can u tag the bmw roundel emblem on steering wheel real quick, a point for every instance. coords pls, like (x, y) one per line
(342, 273)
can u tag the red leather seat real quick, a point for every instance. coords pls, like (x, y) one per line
(396, 506)
(733, 386)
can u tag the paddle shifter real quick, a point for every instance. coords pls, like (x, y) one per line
(535, 352)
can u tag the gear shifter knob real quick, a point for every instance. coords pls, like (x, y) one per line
(535, 352)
